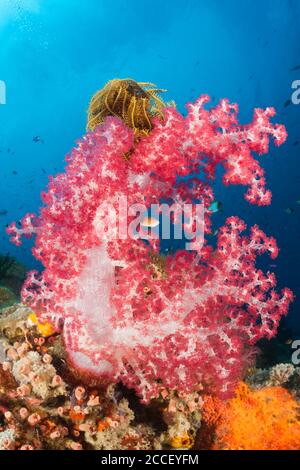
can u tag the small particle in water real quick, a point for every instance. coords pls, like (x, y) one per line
(296, 143)
(3, 212)
(15, 172)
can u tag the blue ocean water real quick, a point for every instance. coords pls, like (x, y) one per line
(54, 55)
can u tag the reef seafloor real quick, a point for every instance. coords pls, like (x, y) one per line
(45, 406)
(118, 345)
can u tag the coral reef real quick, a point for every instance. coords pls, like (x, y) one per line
(191, 323)
(278, 375)
(182, 415)
(35, 373)
(12, 274)
(264, 419)
(43, 406)
(13, 321)
(6, 264)
(7, 297)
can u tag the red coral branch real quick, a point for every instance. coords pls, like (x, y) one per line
(194, 322)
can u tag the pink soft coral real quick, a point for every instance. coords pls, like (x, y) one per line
(192, 325)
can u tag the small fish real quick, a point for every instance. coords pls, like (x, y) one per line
(3, 212)
(294, 69)
(15, 172)
(289, 341)
(149, 222)
(215, 206)
(44, 171)
(287, 103)
(296, 143)
(289, 210)
(37, 138)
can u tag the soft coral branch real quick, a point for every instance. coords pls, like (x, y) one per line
(192, 321)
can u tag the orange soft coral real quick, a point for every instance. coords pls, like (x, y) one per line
(265, 419)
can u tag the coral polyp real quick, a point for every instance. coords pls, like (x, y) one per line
(136, 103)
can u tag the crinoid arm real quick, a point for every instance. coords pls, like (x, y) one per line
(136, 103)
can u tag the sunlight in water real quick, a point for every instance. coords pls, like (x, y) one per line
(12, 9)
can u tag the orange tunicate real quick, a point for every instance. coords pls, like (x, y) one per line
(264, 419)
